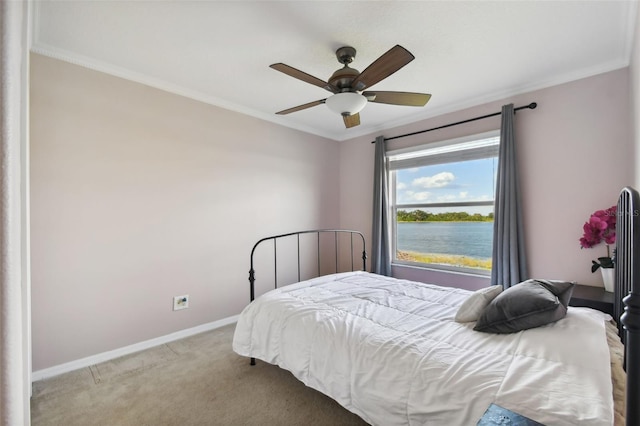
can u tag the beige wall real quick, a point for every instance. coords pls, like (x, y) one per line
(575, 153)
(138, 195)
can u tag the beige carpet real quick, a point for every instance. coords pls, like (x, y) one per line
(195, 381)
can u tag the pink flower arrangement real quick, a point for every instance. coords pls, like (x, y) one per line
(601, 227)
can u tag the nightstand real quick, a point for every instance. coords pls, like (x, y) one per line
(592, 297)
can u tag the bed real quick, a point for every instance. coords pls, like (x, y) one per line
(392, 352)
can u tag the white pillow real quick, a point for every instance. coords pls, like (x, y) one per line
(472, 308)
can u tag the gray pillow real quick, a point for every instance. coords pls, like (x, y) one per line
(529, 304)
(474, 305)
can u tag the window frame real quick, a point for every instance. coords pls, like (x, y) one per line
(413, 152)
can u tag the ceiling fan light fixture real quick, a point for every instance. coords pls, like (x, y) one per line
(346, 103)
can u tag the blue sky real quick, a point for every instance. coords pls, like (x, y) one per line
(451, 182)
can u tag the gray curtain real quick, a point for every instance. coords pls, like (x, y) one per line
(380, 240)
(509, 262)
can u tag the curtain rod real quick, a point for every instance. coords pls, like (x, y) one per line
(532, 105)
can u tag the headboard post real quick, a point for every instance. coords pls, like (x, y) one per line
(252, 281)
(627, 294)
(631, 321)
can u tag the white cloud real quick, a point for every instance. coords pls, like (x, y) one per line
(447, 198)
(411, 196)
(421, 196)
(400, 186)
(439, 180)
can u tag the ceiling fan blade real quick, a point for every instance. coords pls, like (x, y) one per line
(301, 75)
(300, 107)
(390, 62)
(351, 120)
(398, 98)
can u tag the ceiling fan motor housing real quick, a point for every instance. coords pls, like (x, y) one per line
(343, 77)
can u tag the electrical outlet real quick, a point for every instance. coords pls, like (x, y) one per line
(180, 302)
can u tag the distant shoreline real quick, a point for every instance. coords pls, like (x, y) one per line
(425, 216)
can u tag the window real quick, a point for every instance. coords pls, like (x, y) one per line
(442, 197)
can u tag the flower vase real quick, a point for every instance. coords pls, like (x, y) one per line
(609, 277)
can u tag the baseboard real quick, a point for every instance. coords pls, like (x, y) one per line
(137, 347)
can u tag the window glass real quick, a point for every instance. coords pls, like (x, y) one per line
(442, 204)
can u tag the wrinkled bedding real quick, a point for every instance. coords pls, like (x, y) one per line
(390, 351)
(618, 375)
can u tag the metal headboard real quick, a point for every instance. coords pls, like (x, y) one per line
(627, 239)
(336, 232)
(627, 294)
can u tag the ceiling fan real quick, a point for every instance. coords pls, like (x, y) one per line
(347, 84)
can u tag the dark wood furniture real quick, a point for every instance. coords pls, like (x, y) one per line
(592, 297)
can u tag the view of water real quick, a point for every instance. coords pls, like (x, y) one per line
(473, 239)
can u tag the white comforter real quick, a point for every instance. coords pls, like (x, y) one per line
(390, 351)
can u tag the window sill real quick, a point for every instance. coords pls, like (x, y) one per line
(443, 269)
(438, 276)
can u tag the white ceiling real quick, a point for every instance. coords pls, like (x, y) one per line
(467, 52)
